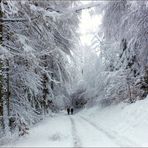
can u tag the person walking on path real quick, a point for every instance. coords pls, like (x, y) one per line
(68, 110)
(71, 111)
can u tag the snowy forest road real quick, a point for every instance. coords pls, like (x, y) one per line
(64, 130)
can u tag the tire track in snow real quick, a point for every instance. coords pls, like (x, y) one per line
(116, 138)
(76, 139)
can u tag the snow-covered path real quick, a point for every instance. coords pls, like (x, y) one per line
(65, 131)
(68, 131)
(122, 125)
(90, 136)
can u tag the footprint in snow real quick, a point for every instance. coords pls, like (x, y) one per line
(56, 137)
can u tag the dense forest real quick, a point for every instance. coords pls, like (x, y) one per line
(44, 67)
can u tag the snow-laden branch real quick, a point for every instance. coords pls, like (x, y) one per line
(75, 9)
(11, 48)
(16, 19)
(83, 7)
(12, 19)
(51, 11)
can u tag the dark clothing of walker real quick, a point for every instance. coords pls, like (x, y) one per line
(68, 111)
(71, 111)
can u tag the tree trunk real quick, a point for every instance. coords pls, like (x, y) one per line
(1, 103)
(45, 87)
(8, 90)
(5, 96)
(129, 92)
(1, 26)
(52, 75)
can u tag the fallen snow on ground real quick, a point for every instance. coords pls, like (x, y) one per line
(127, 124)
(114, 126)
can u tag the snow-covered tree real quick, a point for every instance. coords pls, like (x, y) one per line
(37, 41)
(124, 48)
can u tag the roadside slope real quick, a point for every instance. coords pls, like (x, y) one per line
(127, 122)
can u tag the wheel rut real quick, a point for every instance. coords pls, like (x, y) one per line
(116, 138)
(76, 138)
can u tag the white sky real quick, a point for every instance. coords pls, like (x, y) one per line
(89, 24)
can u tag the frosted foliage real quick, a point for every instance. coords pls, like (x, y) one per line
(123, 43)
(37, 42)
(119, 71)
